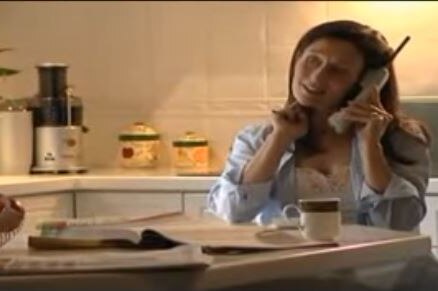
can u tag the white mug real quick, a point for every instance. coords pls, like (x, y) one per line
(319, 219)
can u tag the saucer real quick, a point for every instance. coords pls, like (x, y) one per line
(284, 223)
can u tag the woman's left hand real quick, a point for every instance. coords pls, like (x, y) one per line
(370, 117)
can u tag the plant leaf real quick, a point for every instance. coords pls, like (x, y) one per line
(6, 49)
(7, 72)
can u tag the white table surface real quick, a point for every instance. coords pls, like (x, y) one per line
(360, 246)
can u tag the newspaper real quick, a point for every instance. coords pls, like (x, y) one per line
(182, 257)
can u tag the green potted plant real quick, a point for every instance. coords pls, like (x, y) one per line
(5, 103)
(5, 72)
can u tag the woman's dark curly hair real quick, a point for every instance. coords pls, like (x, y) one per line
(376, 52)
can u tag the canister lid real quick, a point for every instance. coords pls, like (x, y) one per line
(190, 139)
(13, 104)
(139, 131)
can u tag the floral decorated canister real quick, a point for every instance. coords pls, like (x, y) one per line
(191, 151)
(139, 146)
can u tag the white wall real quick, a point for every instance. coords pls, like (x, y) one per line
(211, 67)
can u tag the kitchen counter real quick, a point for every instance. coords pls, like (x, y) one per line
(120, 179)
(108, 179)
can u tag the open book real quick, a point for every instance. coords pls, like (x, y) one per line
(212, 236)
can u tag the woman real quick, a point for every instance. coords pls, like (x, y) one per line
(379, 167)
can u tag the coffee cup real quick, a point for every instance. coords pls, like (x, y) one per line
(319, 219)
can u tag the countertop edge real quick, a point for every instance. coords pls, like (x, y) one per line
(27, 185)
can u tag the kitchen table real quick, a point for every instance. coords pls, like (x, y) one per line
(360, 247)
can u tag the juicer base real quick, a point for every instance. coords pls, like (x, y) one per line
(70, 170)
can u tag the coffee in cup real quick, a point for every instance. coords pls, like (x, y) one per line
(319, 219)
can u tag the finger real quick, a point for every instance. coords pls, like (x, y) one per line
(301, 116)
(282, 111)
(380, 110)
(369, 103)
(359, 103)
(385, 116)
(358, 111)
(356, 118)
(371, 108)
(284, 115)
(362, 117)
(376, 116)
(290, 106)
(293, 110)
(363, 106)
(276, 112)
(380, 121)
(375, 96)
(279, 114)
(374, 122)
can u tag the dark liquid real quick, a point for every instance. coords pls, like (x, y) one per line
(53, 112)
(53, 81)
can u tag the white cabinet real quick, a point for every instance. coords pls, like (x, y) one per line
(97, 203)
(45, 206)
(429, 225)
(194, 203)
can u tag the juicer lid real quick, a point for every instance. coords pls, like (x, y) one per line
(51, 65)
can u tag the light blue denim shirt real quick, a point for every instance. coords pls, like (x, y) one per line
(401, 206)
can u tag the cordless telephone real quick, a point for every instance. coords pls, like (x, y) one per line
(373, 77)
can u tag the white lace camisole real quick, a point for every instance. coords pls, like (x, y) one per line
(310, 183)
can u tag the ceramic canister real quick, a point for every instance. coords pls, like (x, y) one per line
(139, 146)
(191, 151)
(16, 135)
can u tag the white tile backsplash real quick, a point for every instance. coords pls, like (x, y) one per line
(278, 62)
(236, 22)
(416, 67)
(212, 67)
(288, 21)
(390, 17)
(235, 69)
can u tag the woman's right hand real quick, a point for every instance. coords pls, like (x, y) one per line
(290, 122)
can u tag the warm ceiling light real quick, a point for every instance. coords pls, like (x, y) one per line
(399, 6)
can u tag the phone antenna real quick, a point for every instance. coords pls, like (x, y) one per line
(398, 49)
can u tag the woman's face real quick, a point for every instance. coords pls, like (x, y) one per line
(324, 72)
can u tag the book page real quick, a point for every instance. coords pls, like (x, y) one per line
(100, 233)
(242, 237)
(212, 232)
(207, 233)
